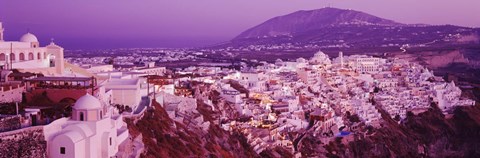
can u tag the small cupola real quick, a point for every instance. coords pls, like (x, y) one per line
(87, 108)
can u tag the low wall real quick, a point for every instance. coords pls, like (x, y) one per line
(140, 115)
(8, 123)
(56, 95)
(27, 142)
(11, 94)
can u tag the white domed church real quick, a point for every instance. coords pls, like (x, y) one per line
(27, 54)
(320, 58)
(91, 132)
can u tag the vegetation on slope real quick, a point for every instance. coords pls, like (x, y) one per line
(163, 137)
(428, 134)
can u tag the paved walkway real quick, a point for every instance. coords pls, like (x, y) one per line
(143, 104)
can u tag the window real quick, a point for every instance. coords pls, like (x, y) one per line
(30, 56)
(62, 150)
(81, 116)
(110, 141)
(12, 56)
(22, 57)
(101, 116)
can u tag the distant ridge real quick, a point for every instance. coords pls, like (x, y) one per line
(304, 21)
(344, 28)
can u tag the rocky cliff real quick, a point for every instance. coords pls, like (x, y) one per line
(164, 137)
(435, 59)
(428, 134)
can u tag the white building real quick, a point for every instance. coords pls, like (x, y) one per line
(366, 111)
(367, 64)
(255, 81)
(387, 82)
(90, 133)
(231, 95)
(320, 58)
(98, 68)
(125, 91)
(152, 70)
(308, 75)
(27, 55)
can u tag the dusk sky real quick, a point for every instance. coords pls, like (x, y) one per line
(94, 24)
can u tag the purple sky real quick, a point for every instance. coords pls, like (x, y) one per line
(186, 23)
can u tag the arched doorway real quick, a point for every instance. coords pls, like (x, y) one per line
(30, 56)
(51, 58)
(22, 57)
(2, 57)
(12, 57)
(81, 116)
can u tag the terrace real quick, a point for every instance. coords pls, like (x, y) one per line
(59, 89)
(60, 83)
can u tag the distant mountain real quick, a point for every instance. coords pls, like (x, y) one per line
(331, 27)
(304, 21)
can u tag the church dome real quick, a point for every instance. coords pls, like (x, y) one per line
(320, 54)
(301, 60)
(28, 38)
(87, 102)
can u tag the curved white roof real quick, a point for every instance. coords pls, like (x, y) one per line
(87, 102)
(52, 45)
(320, 54)
(301, 60)
(83, 129)
(28, 38)
(74, 136)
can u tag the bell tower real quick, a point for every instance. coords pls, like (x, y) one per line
(340, 55)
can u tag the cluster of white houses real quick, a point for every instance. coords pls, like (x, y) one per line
(280, 94)
(318, 94)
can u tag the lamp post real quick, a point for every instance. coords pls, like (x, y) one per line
(7, 58)
(16, 106)
(11, 52)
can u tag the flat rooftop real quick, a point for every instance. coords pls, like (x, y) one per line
(123, 82)
(74, 79)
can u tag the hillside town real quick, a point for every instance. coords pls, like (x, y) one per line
(79, 106)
